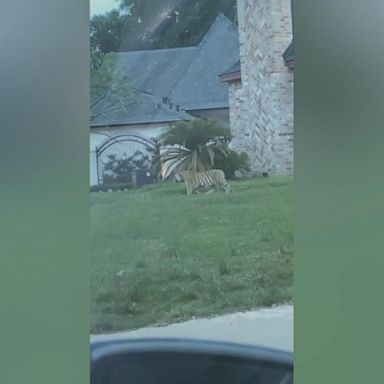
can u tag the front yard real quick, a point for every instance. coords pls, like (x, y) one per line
(158, 256)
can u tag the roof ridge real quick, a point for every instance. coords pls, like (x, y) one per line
(150, 51)
(220, 17)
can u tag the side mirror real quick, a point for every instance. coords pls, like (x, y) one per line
(167, 361)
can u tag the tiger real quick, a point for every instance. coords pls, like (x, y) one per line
(212, 177)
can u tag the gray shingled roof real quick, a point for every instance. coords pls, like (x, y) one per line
(147, 109)
(186, 77)
(157, 71)
(201, 87)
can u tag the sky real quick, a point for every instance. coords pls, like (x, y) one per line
(98, 7)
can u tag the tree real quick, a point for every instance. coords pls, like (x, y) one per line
(150, 24)
(193, 145)
(182, 22)
(107, 31)
(194, 18)
(110, 87)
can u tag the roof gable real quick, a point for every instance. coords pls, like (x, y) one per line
(200, 87)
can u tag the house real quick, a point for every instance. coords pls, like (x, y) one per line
(261, 86)
(172, 85)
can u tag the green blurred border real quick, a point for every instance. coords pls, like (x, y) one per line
(339, 183)
(44, 194)
(339, 138)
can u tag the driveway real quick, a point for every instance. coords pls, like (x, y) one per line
(272, 327)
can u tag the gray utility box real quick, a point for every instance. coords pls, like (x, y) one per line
(141, 177)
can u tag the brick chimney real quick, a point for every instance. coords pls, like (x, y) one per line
(264, 129)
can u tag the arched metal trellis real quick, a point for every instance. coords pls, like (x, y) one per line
(140, 143)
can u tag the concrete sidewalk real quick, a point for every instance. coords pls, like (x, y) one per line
(272, 327)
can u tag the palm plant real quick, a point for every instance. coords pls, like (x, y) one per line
(155, 152)
(193, 146)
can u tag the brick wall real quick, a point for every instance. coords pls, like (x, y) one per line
(261, 113)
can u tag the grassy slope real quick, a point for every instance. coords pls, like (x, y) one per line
(185, 257)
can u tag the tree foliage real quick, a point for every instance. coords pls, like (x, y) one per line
(107, 32)
(193, 22)
(150, 24)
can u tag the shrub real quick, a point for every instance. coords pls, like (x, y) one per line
(118, 170)
(111, 187)
(233, 163)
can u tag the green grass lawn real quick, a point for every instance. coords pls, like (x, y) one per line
(189, 256)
